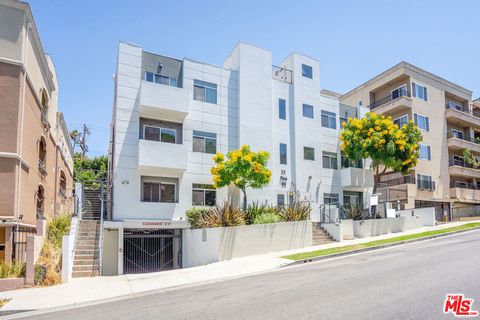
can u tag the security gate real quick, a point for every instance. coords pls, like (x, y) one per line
(151, 250)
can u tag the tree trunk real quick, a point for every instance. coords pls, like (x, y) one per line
(375, 180)
(244, 199)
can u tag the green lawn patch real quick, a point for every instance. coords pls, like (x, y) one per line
(330, 251)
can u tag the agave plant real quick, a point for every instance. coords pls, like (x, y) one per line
(296, 211)
(223, 215)
(355, 211)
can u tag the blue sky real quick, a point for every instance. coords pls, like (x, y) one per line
(353, 40)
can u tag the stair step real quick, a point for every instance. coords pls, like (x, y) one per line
(85, 262)
(83, 274)
(85, 268)
(83, 252)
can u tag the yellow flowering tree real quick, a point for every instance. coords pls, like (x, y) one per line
(244, 168)
(378, 138)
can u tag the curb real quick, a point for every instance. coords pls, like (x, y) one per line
(382, 246)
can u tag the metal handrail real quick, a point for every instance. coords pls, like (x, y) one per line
(460, 185)
(42, 167)
(376, 104)
(282, 74)
(407, 179)
(461, 163)
(325, 217)
(450, 134)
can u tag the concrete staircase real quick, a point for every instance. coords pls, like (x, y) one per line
(86, 258)
(91, 204)
(320, 235)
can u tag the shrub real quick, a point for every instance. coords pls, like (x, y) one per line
(254, 210)
(197, 215)
(296, 211)
(355, 211)
(224, 215)
(57, 227)
(12, 270)
(40, 273)
(268, 217)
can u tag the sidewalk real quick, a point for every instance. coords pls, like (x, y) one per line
(83, 290)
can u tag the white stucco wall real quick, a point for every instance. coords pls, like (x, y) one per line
(426, 215)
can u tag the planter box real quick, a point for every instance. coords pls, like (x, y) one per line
(377, 227)
(7, 284)
(347, 228)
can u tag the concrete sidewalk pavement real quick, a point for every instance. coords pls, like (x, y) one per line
(90, 290)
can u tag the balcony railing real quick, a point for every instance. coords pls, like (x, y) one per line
(425, 184)
(391, 97)
(464, 185)
(469, 139)
(42, 168)
(408, 179)
(282, 74)
(454, 106)
(461, 163)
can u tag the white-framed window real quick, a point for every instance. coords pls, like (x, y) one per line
(307, 111)
(205, 91)
(422, 122)
(424, 153)
(154, 133)
(203, 195)
(425, 182)
(399, 92)
(329, 119)
(329, 160)
(307, 71)
(308, 153)
(282, 109)
(400, 121)
(457, 134)
(153, 191)
(159, 78)
(205, 142)
(330, 198)
(280, 200)
(283, 153)
(419, 91)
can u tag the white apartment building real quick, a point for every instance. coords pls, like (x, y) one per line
(171, 115)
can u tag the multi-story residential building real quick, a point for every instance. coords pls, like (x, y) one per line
(171, 116)
(450, 123)
(36, 165)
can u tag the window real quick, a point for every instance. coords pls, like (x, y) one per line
(399, 92)
(205, 91)
(308, 111)
(283, 153)
(329, 119)
(159, 134)
(329, 160)
(205, 142)
(425, 182)
(458, 161)
(349, 163)
(400, 121)
(422, 122)
(282, 109)
(307, 71)
(453, 105)
(203, 195)
(425, 152)
(330, 198)
(457, 134)
(280, 200)
(158, 192)
(162, 79)
(419, 91)
(308, 153)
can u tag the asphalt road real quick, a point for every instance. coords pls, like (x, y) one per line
(405, 282)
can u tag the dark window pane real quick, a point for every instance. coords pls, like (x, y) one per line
(168, 135)
(168, 193)
(308, 111)
(282, 109)
(155, 192)
(308, 153)
(280, 199)
(326, 162)
(152, 133)
(147, 192)
(307, 71)
(197, 197)
(210, 198)
(211, 95)
(210, 145)
(198, 144)
(149, 76)
(173, 82)
(283, 153)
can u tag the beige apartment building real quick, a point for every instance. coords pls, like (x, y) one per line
(36, 157)
(450, 123)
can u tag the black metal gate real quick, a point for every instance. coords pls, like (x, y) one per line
(151, 250)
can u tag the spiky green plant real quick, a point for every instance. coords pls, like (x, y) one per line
(296, 211)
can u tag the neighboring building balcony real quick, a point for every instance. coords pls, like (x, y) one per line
(42, 168)
(461, 169)
(458, 143)
(462, 116)
(399, 101)
(156, 157)
(356, 179)
(464, 192)
(407, 179)
(163, 102)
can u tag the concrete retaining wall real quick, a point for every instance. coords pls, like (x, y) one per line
(334, 230)
(377, 227)
(11, 284)
(33, 249)
(203, 246)
(426, 215)
(347, 228)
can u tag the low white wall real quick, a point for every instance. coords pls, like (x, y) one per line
(426, 215)
(203, 246)
(377, 227)
(334, 230)
(347, 228)
(68, 244)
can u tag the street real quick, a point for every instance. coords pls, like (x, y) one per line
(405, 282)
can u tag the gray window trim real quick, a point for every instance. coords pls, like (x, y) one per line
(205, 85)
(160, 128)
(201, 187)
(146, 180)
(304, 105)
(204, 135)
(308, 148)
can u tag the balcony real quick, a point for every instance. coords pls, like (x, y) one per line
(159, 157)
(163, 102)
(356, 179)
(461, 169)
(462, 116)
(464, 192)
(461, 143)
(401, 101)
(407, 179)
(282, 74)
(42, 168)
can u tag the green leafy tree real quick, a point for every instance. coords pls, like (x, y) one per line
(243, 168)
(89, 169)
(470, 159)
(378, 138)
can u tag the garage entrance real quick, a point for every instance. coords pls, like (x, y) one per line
(151, 250)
